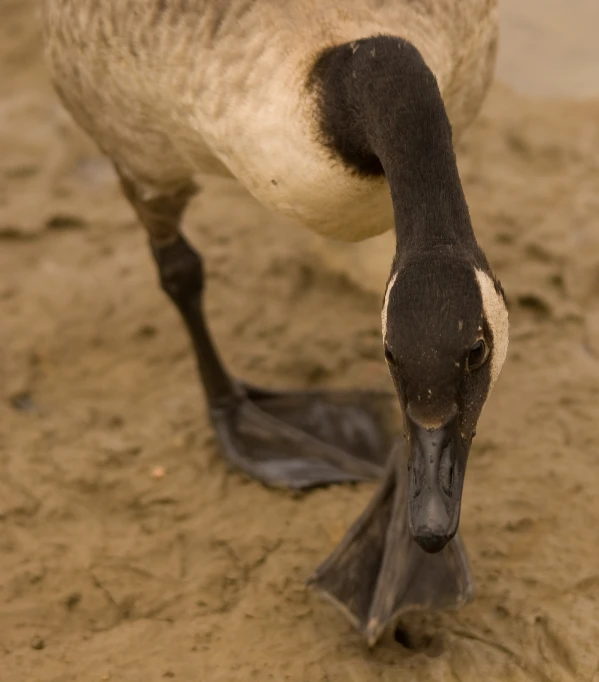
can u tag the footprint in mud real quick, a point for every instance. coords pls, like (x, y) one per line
(419, 642)
(554, 649)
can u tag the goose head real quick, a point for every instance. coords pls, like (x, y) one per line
(445, 334)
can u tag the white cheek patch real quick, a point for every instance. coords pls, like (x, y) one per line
(496, 314)
(386, 305)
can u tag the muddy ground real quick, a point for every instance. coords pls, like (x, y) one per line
(108, 572)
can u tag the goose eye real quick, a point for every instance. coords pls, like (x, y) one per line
(477, 355)
(389, 356)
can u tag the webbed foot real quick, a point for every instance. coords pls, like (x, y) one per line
(379, 571)
(304, 439)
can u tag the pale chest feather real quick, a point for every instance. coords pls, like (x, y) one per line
(269, 138)
(220, 89)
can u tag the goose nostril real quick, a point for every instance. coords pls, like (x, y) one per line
(446, 472)
(416, 473)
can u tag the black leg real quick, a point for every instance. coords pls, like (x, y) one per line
(289, 439)
(182, 278)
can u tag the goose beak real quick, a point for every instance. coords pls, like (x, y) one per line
(437, 466)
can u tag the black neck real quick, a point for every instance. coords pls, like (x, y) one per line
(382, 113)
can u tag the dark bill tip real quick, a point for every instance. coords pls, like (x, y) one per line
(430, 541)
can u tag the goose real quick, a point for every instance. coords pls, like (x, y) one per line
(343, 117)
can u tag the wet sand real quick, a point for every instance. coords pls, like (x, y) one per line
(111, 572)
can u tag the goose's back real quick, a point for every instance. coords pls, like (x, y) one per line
(168, 88)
